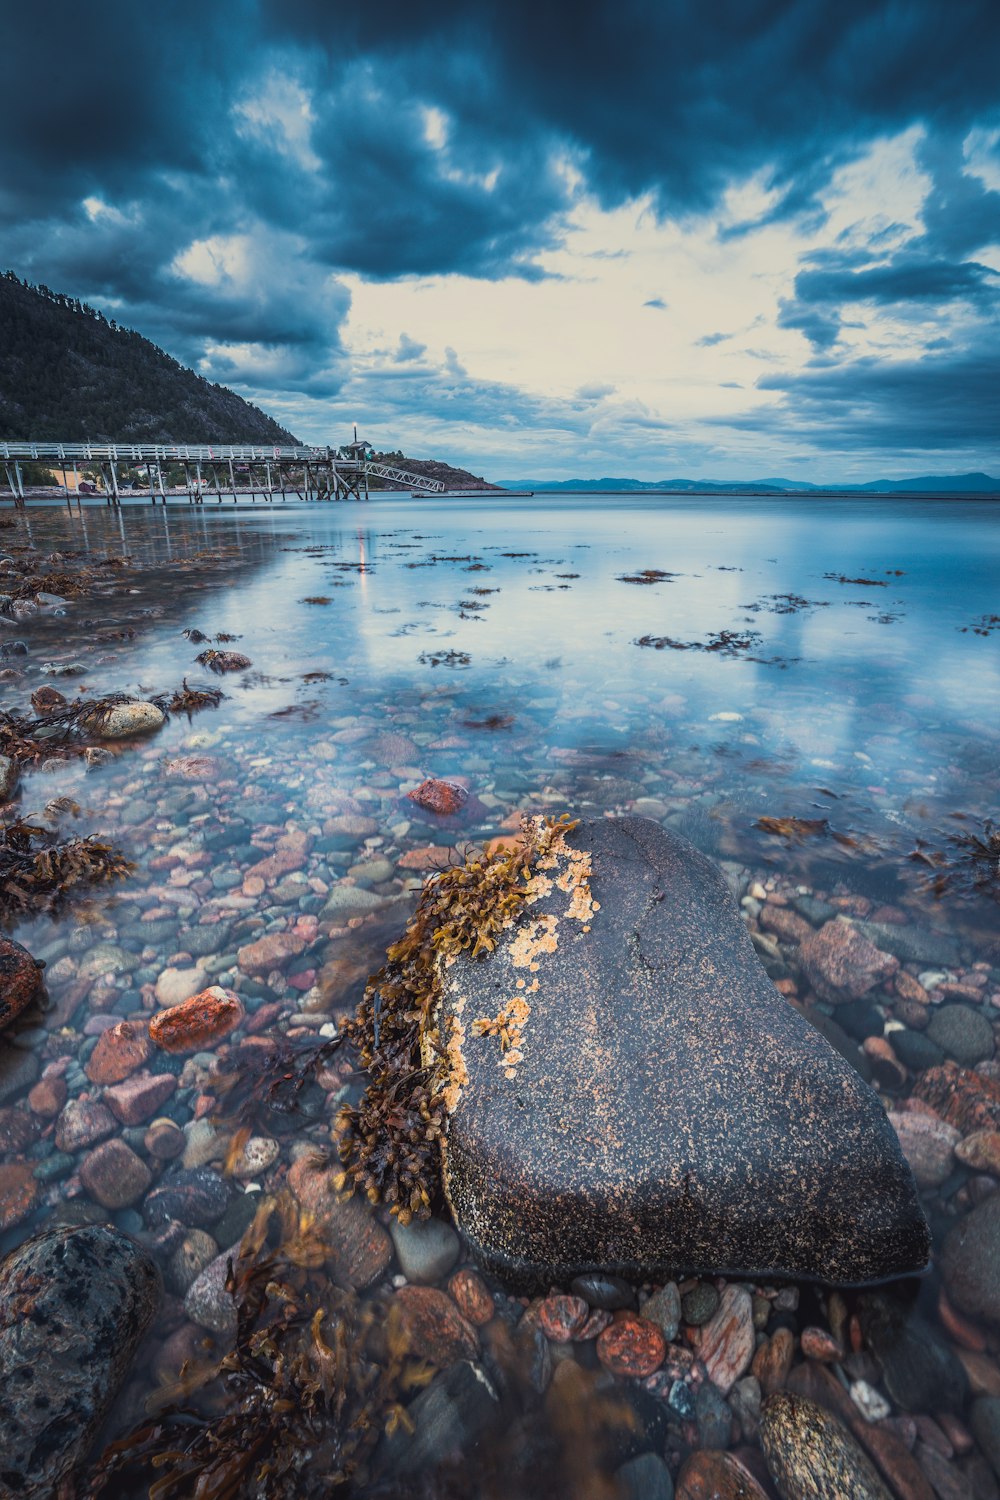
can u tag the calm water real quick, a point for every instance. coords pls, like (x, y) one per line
(497, 642)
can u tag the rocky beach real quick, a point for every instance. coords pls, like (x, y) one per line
(233, 747)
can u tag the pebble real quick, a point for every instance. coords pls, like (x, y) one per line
(773, 1360)
(195, 1252)
(812, 1456)
(919, 1369)
(727, 1340)
(562, 1318)
(207, 1302)
(664, 1309)
(126, 720)
(631, 1345)
(970, 1261)
(83, 1123)
(360, 1248)
(471, 1296)
(981, 1151)
(842, 964)
(119, 1052)
(257, 1157)
(645, 1477)
(699, 1304)
(719, 1476)
(963, 1033)
(270, 952)
(113, 1175)
(174, 986)
(425, 1248)
(137, 1098)
(870, 1402)
(433, 1326)
(200, 1021)
(609, 1292)
(18, 1191)
(48, 1097)
(20, 978)
(443, 797)
(817, 1343)
(195, 1199)
(928, 1144)
(164, 1139)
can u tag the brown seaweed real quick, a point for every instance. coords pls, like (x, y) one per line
(38, 871)
(390, 1141)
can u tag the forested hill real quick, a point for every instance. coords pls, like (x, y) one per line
(68, 372)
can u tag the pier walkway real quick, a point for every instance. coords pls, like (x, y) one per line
(215, 471)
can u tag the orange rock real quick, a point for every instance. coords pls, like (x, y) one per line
(270, 952)
(471, 1296)
(710, 1475)
(961, 1329)
(773, 1361)
(982, 1370)
(48, 1097)
(631, 1346)
(818, 1344)
(18, 1190)
(981, 1151)
(429, 857)
(727, 1339)
(358, 1246)
(444, 797)
(433, 1326)
(561, 1318)
(197, 1023)
(119, 1051)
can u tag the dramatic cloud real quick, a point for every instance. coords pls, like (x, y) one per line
(280, 192)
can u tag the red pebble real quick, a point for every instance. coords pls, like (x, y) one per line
(471, 1296)
(199, 1022)
(561, 1318)
(631, 1346)
(818, 1344)
(444, 797)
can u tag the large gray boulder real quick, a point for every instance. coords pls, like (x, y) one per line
(75, 1303)
(630, 1093)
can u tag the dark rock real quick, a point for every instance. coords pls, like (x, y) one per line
(860, 1019)
(609, 1292)
(720, 1108)
(985, 1424)
(194, 1198)
(20, 980)
(448, 1417)
(919, 1369)
(713, 1416)
(426, 1249)
(913, 945)
(970, 1261)
(839, 1040)
(207, 1301)
(645, 1477)
(842, 964)
(811, 1456)
(963, 1033)
(74, 1306)
(916, 1050)
(664, 1309)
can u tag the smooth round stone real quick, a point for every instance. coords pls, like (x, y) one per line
(608, 1292)
(645, 1477)
(195, 1251)
(970, 1261)
(75, 1303)
(207, 1302)
(916, 1050)
(425, 1248)
(963, 1033)
(812, 1456)
(699, 1304)
(664, 1309)
(720, 1107)
(125, 720)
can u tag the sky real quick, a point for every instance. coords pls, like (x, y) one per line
(655, 238)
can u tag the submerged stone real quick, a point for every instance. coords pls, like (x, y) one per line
(629, 1093)
(20, 980)
(74, 1306)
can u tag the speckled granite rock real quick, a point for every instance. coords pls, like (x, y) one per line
(812, 1456)
(659, 1106)
(74, 1306)
(20, 980)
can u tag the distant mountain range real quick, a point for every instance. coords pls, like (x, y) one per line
(68, 372)
(937, 484)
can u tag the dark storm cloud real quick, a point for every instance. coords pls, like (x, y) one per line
(934, 403)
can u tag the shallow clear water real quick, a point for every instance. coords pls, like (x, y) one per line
(872, 705)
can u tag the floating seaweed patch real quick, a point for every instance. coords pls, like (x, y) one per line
(492, 721)
(985, 625)
(648, 575)
(444, 658)
(188, 700)
(794, 828)
(968, 864)
(316, 599)
(224, 637)
(890, 617)
(785, 604)
(873, 583)
(725, 642)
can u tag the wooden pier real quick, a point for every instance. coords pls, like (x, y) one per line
(215, 472)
